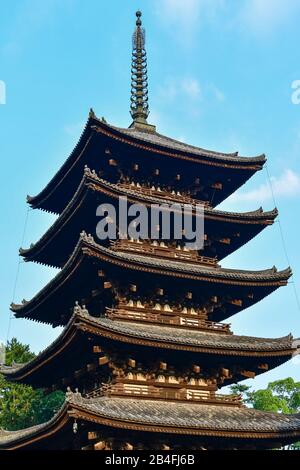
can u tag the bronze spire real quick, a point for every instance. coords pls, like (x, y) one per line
(139, 108)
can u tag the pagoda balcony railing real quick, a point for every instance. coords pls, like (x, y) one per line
(172, 195)
(162, 250)
(162, 393)
(165, 309)
(168, 319)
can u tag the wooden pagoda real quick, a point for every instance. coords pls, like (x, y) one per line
(144, 348)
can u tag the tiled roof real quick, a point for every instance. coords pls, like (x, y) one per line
(196, 338)
(185, 418)
(199, 416)
(148, 263)
(211, 342)
(195, 268)
(155, 138)
(254, 217)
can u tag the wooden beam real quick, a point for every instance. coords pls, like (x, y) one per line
(263, 366)
(225, 372)
(217, 185)
(103, 360)
(97, 349)
(226, 241)
(131, 362)
(248, 373)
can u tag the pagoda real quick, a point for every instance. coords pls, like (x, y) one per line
(145, 346)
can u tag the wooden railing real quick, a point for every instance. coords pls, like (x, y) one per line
(163, 393)
(200, 314)
(168, 319)
(163, 251)
(163, 194)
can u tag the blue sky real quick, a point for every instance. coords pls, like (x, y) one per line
(220, 76)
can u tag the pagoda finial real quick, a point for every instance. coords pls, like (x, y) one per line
(139, 108)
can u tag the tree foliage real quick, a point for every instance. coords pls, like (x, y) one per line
(281, 396)
(20, 405)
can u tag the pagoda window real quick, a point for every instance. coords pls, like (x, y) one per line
(173, 379)
(140, 376)
(167, 308)
(161, 378)
(202, 382)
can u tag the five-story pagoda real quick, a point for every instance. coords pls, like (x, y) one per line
(145, 349)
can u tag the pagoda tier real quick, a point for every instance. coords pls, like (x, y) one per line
(102, 276)
(144, 156)
(225, 232)
(158, 361)
(106, 423)
(144, 344)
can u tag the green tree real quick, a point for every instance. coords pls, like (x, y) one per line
(281, 396)
(17, 352)
(20, 405)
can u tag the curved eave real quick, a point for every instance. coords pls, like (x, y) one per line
(209, 421)
(87, 249)
(152, 336)
(159, 145)
(38, 200)
(91, 182)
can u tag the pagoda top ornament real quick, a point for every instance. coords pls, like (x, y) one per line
(139, 108)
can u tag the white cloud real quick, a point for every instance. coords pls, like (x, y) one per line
(187, 86)
(185, 16)
(264, 16)
(286, 185)
(191, 87)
